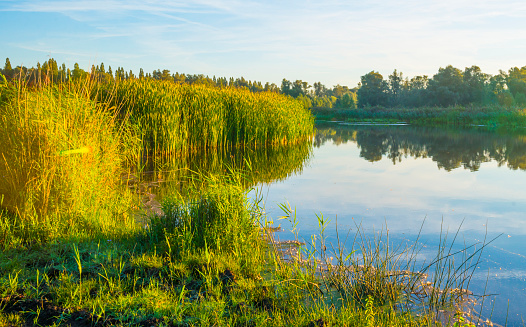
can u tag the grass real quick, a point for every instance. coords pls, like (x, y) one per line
(46, 188)
(73, 254)
(180, 118)
(490, 116)
(209, 262)
(66, 146)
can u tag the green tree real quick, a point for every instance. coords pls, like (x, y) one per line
(395, 88)
(271, 87)
(348, 100)
(8, 70)
(416, 94)
(319, 89)
(339, 90)
(285, 86)
(179, 78)
(77, 72)
(373, 90)
(241, 82)
(446, 88)
(165, 76)
(299, 88)
(475, 84)
(516, 82)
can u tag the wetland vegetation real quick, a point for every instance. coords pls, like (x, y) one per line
(74, 252)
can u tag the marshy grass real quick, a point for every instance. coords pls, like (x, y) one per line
(73, 254)
(209, 261)
(66, 146)
(61, 156)
(382, 279)
(180, 118)
(490, 116)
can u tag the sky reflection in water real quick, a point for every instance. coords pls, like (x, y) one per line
(395, 177)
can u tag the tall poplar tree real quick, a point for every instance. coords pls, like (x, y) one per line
(8, 70)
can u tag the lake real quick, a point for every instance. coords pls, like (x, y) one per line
(416, 182)
(406, 179)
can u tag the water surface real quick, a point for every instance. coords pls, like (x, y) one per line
(399, 177)
(418, 183)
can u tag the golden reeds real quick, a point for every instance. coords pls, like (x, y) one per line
(181, 118)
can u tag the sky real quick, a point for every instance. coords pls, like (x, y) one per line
(331, 41)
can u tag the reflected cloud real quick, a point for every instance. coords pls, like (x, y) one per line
(411, 177)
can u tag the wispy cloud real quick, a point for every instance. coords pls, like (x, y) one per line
(341, 39)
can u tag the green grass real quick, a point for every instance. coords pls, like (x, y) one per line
(180, 118)
(184, 270)
(66, 147)
(73, 253)
(490, 116)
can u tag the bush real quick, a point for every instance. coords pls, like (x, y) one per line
(218, 218)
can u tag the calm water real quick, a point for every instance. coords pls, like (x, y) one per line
(400, 178)
(395, 177)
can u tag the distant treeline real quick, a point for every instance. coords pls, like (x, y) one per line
(50, 72)
(450, 86)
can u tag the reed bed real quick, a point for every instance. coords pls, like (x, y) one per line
(180, 118)
(61, 156)
(73, 255)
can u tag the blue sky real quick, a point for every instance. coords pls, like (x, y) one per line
(331, 41)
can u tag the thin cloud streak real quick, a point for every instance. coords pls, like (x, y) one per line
(334, 36)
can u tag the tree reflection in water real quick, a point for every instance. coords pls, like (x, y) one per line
(449, 148)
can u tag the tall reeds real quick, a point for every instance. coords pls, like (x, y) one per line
(180, 118)
(65, 145)
(61, 156)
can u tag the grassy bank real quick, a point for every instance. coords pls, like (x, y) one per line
(491, 116)
(74, 254)
(208, 262)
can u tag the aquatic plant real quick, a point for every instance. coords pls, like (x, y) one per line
(492, 116)
(180, 118)
(61, 156)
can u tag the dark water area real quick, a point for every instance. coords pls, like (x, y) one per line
(416, 183)
(419, 183)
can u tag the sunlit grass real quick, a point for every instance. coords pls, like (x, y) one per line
(72, 251)
(61, 156)
(225, 271)
(180, 118)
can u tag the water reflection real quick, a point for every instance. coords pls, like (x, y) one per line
(449, 148)
(258, 165)
(395, 177)
(387, 177)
